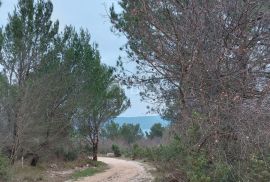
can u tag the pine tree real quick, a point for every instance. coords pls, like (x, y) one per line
(28, 36)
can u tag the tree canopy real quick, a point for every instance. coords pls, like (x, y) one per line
(129, 133)
(50, 82)
(205, 65)
(156, 130)
(100, 97)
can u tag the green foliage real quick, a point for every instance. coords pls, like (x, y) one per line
(58, 77)
(28, 40)
(194, 133)
(201, 169)
(67, 153)
(223, 172)
(194, 166)
(4, 168)
(215, 147)
(85, 173)
(116, 150)
(131, 132)
(111, 130)
(3, 85)
(99, 97)
(156, 131)
(169, 152)
(70, 155)
(200, 166)
(96, 168)
(27, 174)
(137, 151)
(259, 168)
(28, 37)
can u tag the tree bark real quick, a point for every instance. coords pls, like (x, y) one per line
(17, 130)
(95, 146)
(16, 144)
(95, 151)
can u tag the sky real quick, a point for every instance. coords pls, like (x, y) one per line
(91, 15)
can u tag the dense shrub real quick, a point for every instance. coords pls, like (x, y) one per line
(137, 151)
(177, 161)
(67, 153)
(156, 130)
(70, 155)
(116, 150)
(259, 168)
(129, 133)
(4, 168)
(174, 158)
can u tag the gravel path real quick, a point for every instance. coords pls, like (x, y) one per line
(121, 171)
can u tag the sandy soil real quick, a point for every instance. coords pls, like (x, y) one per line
(121, 171)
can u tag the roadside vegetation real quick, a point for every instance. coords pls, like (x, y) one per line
(98, 167)
(57, 171)
(205, 66)
(174, 160)
(128, 140)
(55, 94)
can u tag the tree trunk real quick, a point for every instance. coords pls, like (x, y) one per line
(16, 132)
(95, 151)
(14, 152)
(95, 148)
(34, 160)
(15, 147)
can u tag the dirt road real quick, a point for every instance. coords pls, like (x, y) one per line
(120, 171)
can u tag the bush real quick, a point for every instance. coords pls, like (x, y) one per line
(4, 168)
(135, 151)
(138, 152)
(116, 150)
(201, 169)
(156, 130)
(68, 154)
(259, 168)
(178, 161)
(174, 160)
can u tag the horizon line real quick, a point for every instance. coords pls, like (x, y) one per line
(137, 116)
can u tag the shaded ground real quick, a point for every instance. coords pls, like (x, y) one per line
(121, 171)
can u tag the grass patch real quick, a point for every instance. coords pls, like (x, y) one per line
(96, 168)
(27, 173)
(81, 161)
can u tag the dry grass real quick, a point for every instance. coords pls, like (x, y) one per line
(56, 171)
(27, 173)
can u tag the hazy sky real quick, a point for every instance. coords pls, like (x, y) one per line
(90, 14)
